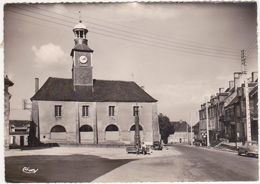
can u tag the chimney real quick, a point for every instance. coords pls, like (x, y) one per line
(237, 79)
(36, 84)
(220, 90)
(231, 84)
(254, 76)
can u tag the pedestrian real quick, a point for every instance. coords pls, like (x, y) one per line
(144, 148)
(180, 140)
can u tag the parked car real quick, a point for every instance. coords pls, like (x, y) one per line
(157, 145)
(199, 142)
(249, 148)
(143, 150)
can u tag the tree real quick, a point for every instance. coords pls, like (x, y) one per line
(166, 128)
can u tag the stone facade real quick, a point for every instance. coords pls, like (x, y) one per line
(98, 119)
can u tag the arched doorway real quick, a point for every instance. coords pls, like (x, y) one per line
(58, 132)
(112, 133)
(132, 133)
(86, 133)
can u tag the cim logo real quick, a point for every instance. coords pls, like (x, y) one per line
(28, 170)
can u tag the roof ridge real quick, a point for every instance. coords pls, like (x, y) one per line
(113, 80)
(59, 78)
(19, 120)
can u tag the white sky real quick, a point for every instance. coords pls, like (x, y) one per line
(172, 64)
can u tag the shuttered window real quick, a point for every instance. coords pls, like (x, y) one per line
(85, 110)
(135, 110)
(111, 110)
(57, 110)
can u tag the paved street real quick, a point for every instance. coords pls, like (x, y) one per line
(73, 168)
(193, 164)
(178, 163)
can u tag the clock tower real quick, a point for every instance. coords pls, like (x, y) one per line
(81, 56)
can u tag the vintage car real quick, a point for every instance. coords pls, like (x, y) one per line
(157, 145)
(133, 149)
(249, 148)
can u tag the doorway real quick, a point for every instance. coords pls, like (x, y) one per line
(21, 140)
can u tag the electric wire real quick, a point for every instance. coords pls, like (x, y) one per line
(188, 45)
(117, 36)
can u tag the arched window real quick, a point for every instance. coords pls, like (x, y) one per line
(86, 128)
(111, 128)
(133, 128)
(58, 128)
(81, 34)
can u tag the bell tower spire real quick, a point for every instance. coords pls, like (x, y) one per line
(81, 56)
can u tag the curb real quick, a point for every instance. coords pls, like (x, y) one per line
(211, 148)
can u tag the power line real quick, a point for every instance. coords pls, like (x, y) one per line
(187, 45)
(250, 51)
(176, 48)
(153, 34)
(138, 37)
(219, 57)
(251, 44)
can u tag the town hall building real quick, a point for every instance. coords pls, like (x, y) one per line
(85, 110)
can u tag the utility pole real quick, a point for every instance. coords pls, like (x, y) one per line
(191, 137)
(187, 131)
(137, 131)
(207, 123)
(244, 73)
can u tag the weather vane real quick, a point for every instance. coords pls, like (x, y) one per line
(80, 17)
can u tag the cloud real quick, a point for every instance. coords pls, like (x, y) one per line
(48, 54)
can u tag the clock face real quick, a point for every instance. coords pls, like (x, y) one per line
(83, 59)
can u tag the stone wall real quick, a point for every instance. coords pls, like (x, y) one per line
(98, 119)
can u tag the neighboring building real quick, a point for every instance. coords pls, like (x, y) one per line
(19, 132)
(235, 114)
(86, 110)
(215, 112)
(202, 122)
(181, 134)
(253, 96)
(226, 111)
(7, 97)
(195, 130)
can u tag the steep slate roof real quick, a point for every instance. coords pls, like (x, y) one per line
(59, 89)
(81, 48)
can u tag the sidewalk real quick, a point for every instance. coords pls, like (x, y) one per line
(222, 148)
(110, 153)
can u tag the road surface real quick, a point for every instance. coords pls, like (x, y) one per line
(178, 163)
(193, 164)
